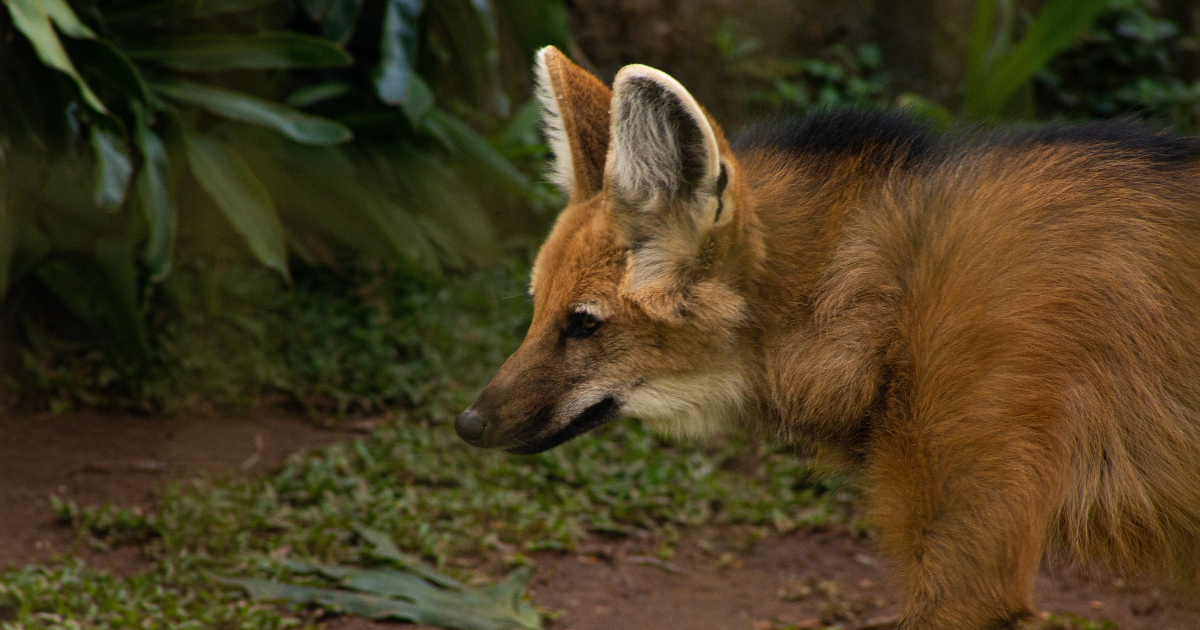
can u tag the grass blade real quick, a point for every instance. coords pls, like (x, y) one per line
(297, 125)
(240, 196)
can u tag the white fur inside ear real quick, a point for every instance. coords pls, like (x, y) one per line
(561, 170)
(647, 156)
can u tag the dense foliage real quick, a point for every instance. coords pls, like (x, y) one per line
(144, 136)
(1132, 62)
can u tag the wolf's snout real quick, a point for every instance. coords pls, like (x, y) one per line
(470, 425)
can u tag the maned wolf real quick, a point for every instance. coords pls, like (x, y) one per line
(1001, 335)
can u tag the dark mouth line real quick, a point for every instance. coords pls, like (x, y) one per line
(591, 418)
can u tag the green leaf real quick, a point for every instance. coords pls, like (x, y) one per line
(99, 58)
(418, 101)
(370, 606)
(340, 18)
(32, 18)
(472, 32)
(312, 94)
(113, 168)
(155, 192)
(522, 129)
(1056, 26)
(390, 594)
(260, 51)
(538, 23)
(240, 196)
(385, 548)
(307, 181)
(65, 19)
(475, 152)
(397, 51)
(292, 123)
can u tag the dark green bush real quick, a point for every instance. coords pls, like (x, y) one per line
(142, 134)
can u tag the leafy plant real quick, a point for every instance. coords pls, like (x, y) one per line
(998, 68)
(139, 134)
(1128, 64)
(841, 75)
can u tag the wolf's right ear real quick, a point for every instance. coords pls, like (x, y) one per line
(575, 120)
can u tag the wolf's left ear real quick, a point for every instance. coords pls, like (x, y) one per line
(662, 144)
(575, 119)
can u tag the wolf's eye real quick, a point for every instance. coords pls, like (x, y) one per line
(581, 325)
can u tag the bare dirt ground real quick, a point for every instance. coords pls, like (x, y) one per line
(717, 579)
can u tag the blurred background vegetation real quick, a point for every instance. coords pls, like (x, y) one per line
(223, 201)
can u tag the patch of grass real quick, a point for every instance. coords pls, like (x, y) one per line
(412, 478)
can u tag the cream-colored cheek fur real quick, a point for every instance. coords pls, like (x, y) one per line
(692, 405)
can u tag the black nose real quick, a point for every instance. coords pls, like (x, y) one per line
(470, 425)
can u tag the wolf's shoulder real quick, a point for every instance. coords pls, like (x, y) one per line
(887, 137)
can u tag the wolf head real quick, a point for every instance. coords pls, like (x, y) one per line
(638, 291)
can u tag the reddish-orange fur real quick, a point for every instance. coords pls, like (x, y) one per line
(1005, 343)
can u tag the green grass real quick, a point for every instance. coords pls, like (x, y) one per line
(426, 349)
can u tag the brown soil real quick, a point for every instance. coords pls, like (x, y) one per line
(716, 579)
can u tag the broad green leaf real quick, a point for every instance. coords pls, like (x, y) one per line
(538, 23)
(522, 129)
(391, 594)
(1056, 26)
(292, 123)
(418, 101)
(113, 168)
(442, 204)
(99, 58)
(156, 13)
(155, 192)
(471, 30)
(260, 51)
(308, 183)
(240, 196)
(362, 604)
(32, 19)
(385, 548)
(318, 92)
(65, 19)
(475, 152)
(397, 51)
(340, 19)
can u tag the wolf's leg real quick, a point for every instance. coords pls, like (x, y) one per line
(963, 508)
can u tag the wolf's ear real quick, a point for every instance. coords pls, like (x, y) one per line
(662, 144)
(575, 119)
(670, 189)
